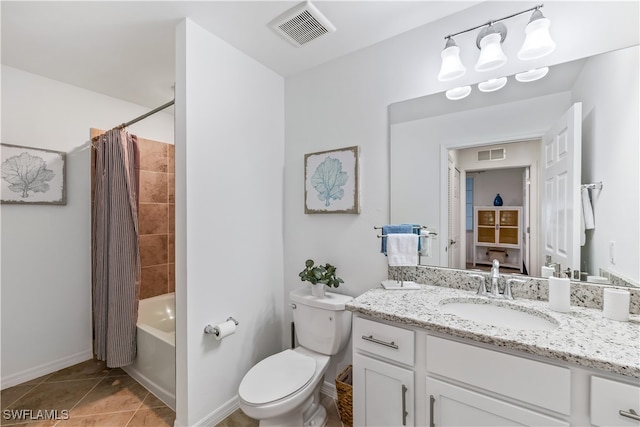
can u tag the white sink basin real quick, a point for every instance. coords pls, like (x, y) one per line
(498, 313)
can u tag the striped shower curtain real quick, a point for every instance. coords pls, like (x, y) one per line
(115, 250)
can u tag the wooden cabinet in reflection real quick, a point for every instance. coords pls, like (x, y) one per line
(498, 235)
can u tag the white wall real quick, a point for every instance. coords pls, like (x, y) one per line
(229, 245)
(506, 182)
(345, 103)
(608, 89)
(46, 264)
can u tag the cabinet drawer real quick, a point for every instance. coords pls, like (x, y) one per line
(512, 376)
(390, 342)
(608, 398)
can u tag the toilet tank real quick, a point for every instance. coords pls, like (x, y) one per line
(322, 324)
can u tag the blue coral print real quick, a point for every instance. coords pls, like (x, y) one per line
(328, 180)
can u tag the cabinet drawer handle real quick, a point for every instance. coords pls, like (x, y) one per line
(391, 344)
(404, 405)
(631, 414)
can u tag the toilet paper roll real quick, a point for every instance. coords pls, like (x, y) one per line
(559, 294)
(546, 271)
(616, 304)
(225, 329)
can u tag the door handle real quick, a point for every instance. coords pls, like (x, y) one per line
(404, 405)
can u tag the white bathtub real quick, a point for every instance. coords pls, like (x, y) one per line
(155, 364)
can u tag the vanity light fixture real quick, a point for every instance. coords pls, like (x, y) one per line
(532, 75)
(537, 44)
(489, 42)
(458, 93)
(452, 67)
(492, 85)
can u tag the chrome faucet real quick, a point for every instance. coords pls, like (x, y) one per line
(495, 278)
(494, 283)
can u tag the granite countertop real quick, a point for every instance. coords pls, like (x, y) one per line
(583, 336)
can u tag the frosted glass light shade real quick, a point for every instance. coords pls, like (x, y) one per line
(538, 42)
(532, 75)
(491, 54)
(492, 85)
(452, 67)
(458, 93)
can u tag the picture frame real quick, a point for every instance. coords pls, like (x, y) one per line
(33, 176)
(331, 181)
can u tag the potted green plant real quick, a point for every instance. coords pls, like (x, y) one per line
(318, 276)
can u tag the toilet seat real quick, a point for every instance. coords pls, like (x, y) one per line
(276, 377)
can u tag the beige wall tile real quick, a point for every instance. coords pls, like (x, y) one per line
(154, 281)
(153, 249)
(153, 187)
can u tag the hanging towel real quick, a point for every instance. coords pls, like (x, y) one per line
(393, 229)
(417, 229)
(402, 249)
(587, 222)
(426, 246)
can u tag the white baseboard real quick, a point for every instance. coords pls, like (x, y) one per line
(217, 416)
(329, 389)
(220, 413)
(44, 369)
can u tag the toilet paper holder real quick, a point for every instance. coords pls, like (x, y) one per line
(214, 329)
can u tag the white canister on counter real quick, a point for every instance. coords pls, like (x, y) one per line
(560, 294)
(616, 304)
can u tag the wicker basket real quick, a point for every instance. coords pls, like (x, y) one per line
(344, 388)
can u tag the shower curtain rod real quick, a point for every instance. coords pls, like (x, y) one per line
(142, 117)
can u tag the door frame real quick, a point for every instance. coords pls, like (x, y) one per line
(534, 216)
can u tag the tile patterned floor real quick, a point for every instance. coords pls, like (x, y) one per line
(91, 395)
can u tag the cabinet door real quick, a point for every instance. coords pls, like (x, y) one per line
(486, 225)
(509, 228)
(451, 405)
(613, 403)
(383, 393)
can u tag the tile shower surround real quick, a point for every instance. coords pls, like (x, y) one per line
(583, 294)
(156, 218)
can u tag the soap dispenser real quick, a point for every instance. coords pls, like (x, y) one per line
(559, 291)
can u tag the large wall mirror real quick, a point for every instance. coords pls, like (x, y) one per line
(450, 159)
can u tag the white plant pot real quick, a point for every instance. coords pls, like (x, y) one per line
(317, 290)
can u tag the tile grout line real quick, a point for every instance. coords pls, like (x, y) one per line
(87, 393)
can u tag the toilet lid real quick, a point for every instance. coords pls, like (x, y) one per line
(276, 377)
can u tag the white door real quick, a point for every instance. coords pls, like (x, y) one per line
(453, 246)
(526, 219)
(561, 169)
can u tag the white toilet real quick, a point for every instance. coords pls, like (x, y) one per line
(284, 389)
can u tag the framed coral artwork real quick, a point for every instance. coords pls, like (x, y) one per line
(32, 175)
(331, 181)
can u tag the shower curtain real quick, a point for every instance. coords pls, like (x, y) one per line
(115, 249)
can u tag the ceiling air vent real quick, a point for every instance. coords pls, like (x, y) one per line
(495, 154)
(302, 24)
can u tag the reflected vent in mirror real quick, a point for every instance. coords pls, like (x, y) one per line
(496, 154)
(302, 24)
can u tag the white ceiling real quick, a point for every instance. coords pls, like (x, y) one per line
(125, 49)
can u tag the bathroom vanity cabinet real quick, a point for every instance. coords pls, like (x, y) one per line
(383, 363)
(406, 376)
